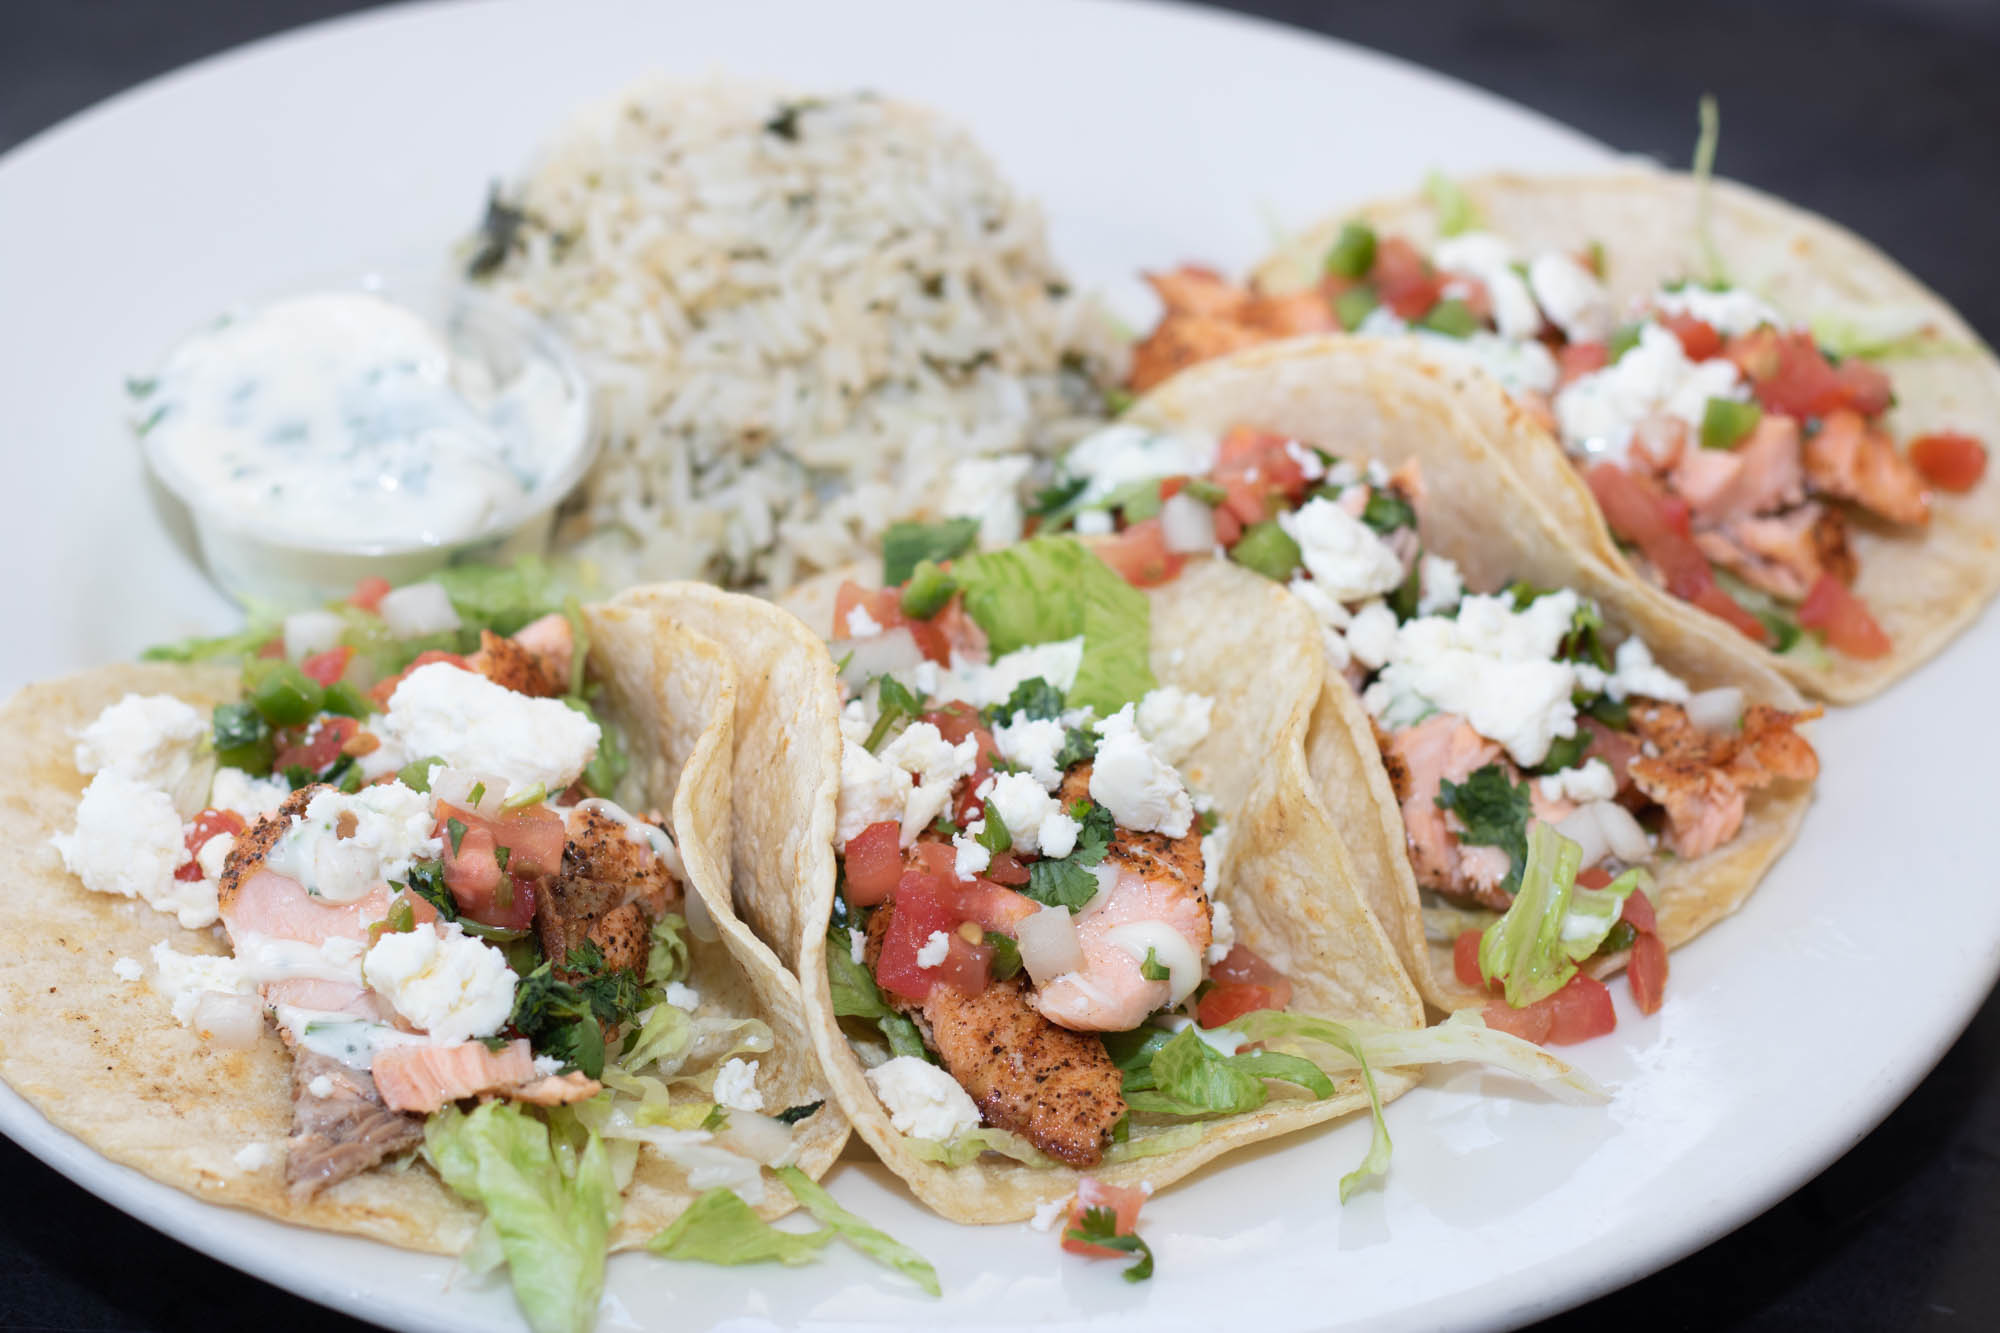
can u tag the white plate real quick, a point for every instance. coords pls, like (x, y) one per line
(1151, 135)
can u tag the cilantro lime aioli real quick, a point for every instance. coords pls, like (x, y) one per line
(342, 418)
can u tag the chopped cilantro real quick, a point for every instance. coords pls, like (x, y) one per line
(567, 1016)
(1034, 697)
(456, 830)
(1387, 511)
(1099, 1227)
(905, 545)
(1152, 969)
(1494, 809)
(1068, 881)
(894, 703)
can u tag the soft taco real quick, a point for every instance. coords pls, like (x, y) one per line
(437, 951)
(1732, 398)
(1488, 677)
(1030, 971)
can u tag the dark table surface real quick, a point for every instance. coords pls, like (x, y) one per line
(1876, 112)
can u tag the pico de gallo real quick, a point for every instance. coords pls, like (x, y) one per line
(1496, 713)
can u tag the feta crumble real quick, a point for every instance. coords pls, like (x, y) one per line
(861, 625)
(128, 842)
(969, 858)
(1174, 721)
(1143, 792)
(682, 996)
(128, 969)
(1591, 780)
(153, 739)
(1572, 297)
(736, 1086)
(1730, 312)
(444, 981)
(989, 489)
(250, 797)
(935, 949)
(468, 722)
(922, 1100)
(1343, 554)
(1600, 412)
(1482, 255)
(1032, 744)
(344, 844)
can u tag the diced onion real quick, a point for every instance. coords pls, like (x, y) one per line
(761, 1138)
(454, 786)
(894, 649)
(1048, 944)
(1716, 710)
(1580, 826)
(1627, 840)
(419, 608)
(1187, 524)
(234, 1022)
(309, 632)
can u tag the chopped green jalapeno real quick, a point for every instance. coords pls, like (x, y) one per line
(1726, 423)
(1268, 549)
(927, 591)
(1353, 305)
(1453, 318)
(1353, 254)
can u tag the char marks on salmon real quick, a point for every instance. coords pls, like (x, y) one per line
(610, 891)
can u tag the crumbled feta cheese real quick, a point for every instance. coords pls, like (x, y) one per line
(1482, 255)
(1057, 835)
(1214, 854)
(969, 857)
(214, 855)
(322, 1086)
(1637, 674)
(983, 684)
(1032, 744)
(1730, 312)
(1174, 720)
(1343, 554)
(1046, 1214)
(444, 981)
(1592, 780)
(1120, 454)
(935, 765)
(989, 489)
(857, 946)
(1094, 523)
(1600, 412)
(935, 949)
(547, 1066)
(736, 1085)
(861, 625)
(856, 720)
(128, 969)
(922, 1100)
(128, 842)
(1491, 665)
(1439, 583)
(1222, 926)
(1311, 466)
(153, 739)
(1023, 805)
(345, 844)
(682, 996)
(1143, 792)
(183, 978)
(871, 791)
(1572, 297)
(248, 796)
(253, 1156)
(469, 722)
(1332, 617)
(1372, 635)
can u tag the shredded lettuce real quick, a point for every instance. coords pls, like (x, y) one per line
(502, 598)
(1552, 925)
(1885, 335)
(1153, 1142)
(1186, 1076)
(960, 1149)
(551, 1206)
(1052, 588)
(1462, 1038)
(668, 958)
(221, 648)
(1710, 119)
(719, 1228)
(1455, 210)
(876, 1244)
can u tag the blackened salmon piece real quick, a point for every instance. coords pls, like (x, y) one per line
(513, 666)
(342, 1133)
(610, 891)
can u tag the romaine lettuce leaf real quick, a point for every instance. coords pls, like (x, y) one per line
(877, 1244)
(551, 1207)
(1551, 926)
(719, 1228)
(1052, 588)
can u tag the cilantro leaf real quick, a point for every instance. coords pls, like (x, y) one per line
(1068, 881)
(426, 880)
(905, 545)
(1099, 1227)
(894, 703)
(567, 1015)
(1386, 511)
(1034, 697)
(1494, 809)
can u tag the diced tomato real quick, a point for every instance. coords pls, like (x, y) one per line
(1698, 337)
(885, 607)
(874, 860)
(1636, 512)
(1258, 474)
(385, 687)
(1592, 877)
(1843, 618)
(481, 888)
(1575, 360)
(319, 745)
(928, 856)
(1949, 460)
(1404, 279)
(1465, 959)
(1646, 972)
(1172, 486)
(329, 666)
(1638, 911)
(1529, 1024)
(1579, 1011)
(369, 592)
(1789, 374)
(1240, 966)
(1007, 869)
(1223, 1005)
(1094, 1193)
(1228, 527)
(1140, 554)
(924, 906)
(534, 836)
(994, 907)
(210, 823)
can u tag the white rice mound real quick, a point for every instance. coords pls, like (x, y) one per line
(799, 313)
